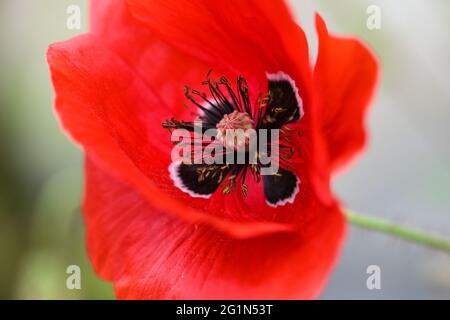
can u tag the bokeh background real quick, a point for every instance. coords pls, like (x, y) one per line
(404, 176)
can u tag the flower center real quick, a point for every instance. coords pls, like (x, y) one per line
(235, 129)
(235, 137)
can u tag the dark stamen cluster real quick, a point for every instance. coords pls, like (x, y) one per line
(223, 100)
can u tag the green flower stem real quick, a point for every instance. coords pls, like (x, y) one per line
(406, 233)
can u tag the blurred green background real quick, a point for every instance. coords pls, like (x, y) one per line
(41, 228)
(404, 176)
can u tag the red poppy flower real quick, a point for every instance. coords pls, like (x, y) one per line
(161, 229)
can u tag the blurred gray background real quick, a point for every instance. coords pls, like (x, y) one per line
(404, 175)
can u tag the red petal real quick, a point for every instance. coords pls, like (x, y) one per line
(104, 16)
(164, 69)
(345, 75)
(150, 255)
(134, 81)
(244, 37)
(220, 33)
(108, 109)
